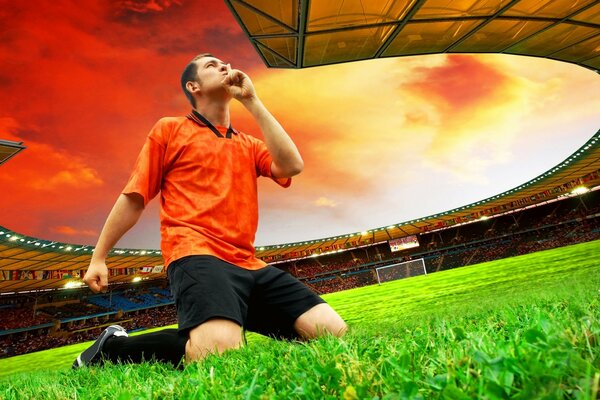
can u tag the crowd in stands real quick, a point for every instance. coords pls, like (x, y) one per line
(73, 317)
(70, 310)
(327, 285)
(337, 283)
(313, 267)
(84, 330)
(27, 342)
(14, 318)
(139, 307)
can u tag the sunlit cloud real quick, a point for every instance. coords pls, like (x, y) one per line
(325, 202)
(390, 135)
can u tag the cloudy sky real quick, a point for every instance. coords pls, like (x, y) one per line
(383, 141)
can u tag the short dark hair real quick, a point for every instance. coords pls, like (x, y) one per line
(190, 73)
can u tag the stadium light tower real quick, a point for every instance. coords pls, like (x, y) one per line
(9, 149)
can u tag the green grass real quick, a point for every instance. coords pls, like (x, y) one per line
(525, 328)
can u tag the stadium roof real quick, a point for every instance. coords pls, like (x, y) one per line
(9, 149)
(303, 33)
(290, 34)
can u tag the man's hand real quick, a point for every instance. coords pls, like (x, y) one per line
(238, 84)
(96, 276)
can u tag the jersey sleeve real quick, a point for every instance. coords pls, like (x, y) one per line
(263, 164)
(147, 174)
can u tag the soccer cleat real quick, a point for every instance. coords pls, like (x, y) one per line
(92, 355)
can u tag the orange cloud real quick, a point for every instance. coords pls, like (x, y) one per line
(144, 6)
(70, 231)
(459, 84)
(44, 185)
(44, 168)
(54, 168)
(480, 132)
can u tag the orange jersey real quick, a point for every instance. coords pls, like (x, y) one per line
(207, 179)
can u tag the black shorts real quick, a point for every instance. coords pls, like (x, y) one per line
(266, 301)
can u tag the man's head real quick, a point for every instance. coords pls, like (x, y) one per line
(203, 75)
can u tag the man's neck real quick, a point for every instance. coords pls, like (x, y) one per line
(216, 113)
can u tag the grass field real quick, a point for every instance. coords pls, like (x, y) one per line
(524, 328)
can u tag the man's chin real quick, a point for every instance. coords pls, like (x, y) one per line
(220, 95)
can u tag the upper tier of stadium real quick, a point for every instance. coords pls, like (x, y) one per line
(293, 34)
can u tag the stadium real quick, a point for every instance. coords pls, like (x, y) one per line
(494, 299)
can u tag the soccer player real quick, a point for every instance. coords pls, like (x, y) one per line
(206, 171)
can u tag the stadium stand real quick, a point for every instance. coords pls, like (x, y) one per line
(15, 318)
(42, 338)
(58, 318)
(128, 300)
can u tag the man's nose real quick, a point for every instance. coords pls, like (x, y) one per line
(225, 67)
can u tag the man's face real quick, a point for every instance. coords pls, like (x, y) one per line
(211, 71)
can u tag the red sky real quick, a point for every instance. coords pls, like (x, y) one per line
(383, 141)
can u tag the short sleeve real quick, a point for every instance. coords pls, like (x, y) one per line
(263, 164)
(147, 174)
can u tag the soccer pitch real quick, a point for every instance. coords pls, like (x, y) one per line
(525, 327)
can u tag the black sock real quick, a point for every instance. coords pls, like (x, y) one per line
(167, 346)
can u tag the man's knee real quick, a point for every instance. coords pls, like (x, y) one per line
(213, 336)
(320, 320)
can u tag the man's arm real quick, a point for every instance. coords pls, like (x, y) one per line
(287, 161)
(124, 214)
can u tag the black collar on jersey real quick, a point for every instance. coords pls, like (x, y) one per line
(200, 120)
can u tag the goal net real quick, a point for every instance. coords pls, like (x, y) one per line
(401, 270)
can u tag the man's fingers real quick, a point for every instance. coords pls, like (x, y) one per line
(94, 286)
(234, 77)
(96, 283)
(96, 277)
(87, 279)
(239, 76)
(103, 281)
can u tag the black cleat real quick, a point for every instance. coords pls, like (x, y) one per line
(92, 355)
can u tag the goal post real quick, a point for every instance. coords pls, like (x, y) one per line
(401, 270)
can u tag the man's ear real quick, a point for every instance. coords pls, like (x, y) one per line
(192, 87)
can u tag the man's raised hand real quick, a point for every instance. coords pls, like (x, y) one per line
(238, 84)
